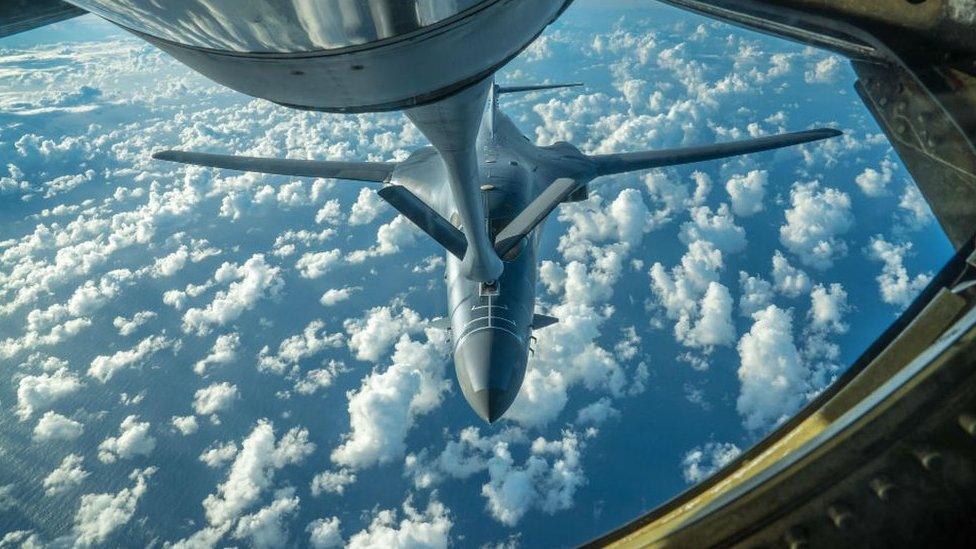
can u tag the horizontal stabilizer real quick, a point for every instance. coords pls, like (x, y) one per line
(426, 218)
(541, 321)
(357, 171)
(607, 164)
(533, 214)
(541, 87)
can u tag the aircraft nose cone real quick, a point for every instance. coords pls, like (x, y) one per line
(490, 365)
(490, 404)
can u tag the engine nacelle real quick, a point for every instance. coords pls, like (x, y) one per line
(338, 55)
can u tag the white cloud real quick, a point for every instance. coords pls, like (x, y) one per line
(319, 378)
(334, 296)
(171, 264)
(315, 264)
(383, 409)
(41, 391)
(513, 490)
(313, 340)
(368, 206)
(128, 326)
(771, 373)
(253, 280)
(186, 425)
(828, 305)
(332, 482)
(597, 412)
(53, 426)
(824, 71)
(218, 454)
(914, 211)
(754, 294)
(253, 471)
(714, 326)
(814, 224)
(788, 280)
(266, 527)
(324, 533)
(718, 228)
(66, 476)
(371, 337)
(747, 192)
(701, 461)
(429, 528)
(895, 285)
(224, 352)
(215, 398)
(104, 367)
(330, 213)
(133, 440)
(99, 515)
(875, 183)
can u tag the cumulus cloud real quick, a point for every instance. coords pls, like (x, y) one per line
(66, 476)
(53, 426)
(371, 337)
(754, 294)
(128, 326)
(368, 206)
(186, 425)
(215, 398)
(384, 408)
(428, 528)
(252, 281)
(828, 305)
(690, 291)
(913, 211)
(334, 296)
(547, 480)
(719, 228)
(253, 472)
(134, 440)
(771, 372)
(874, 182)
(815, 223)
(324, 533)
(104, 367)
(788, 280)
(824, 71)
(99, 515)
(894, 283)
(315, 264)
(313, 340)
(41, 391)
(218, 454)
(701, 461)
(266, 527)
(747, 192)
(224, 351)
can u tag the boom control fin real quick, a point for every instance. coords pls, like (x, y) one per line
(508, 238)
(426, 218)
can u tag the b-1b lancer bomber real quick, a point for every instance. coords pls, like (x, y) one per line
(482, 190)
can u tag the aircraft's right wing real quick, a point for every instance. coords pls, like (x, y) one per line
(357, 171)
(23, 15)
(608, 164)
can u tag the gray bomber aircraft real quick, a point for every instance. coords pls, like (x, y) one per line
(482, 190)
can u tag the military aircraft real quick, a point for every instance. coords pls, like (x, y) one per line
(482, 190)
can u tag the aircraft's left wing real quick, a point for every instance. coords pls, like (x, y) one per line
(357, 171)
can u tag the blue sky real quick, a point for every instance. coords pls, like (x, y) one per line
(200, 355)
